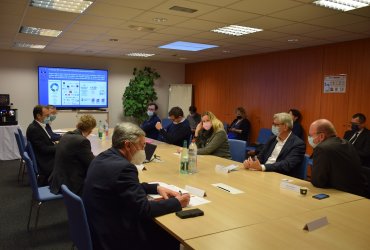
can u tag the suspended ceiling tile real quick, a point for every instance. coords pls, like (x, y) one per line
(45, 24)
(136, 4)
(363, 27)
(87, 29)
(99, 21)
(112, 11)
(264, 7)
(149, 16)
(298, 28)
(337, 20)
(202, 25)
(222, 3)
(199, 7)
(51, 15)
(266, 23)
(228, 16)
(304, 12)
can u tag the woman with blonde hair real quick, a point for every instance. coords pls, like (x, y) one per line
(211, 137)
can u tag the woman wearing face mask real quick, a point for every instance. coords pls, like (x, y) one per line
(239, 128)
(211, 138)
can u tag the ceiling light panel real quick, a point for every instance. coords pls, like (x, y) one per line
(140, 54)
(40, 31)
(187, 46)
(343, 5)
(236, 30)
(29, 45)
(74, 6)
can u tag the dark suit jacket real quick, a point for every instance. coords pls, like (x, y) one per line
(72, 159)
(290, 158)
(117, 205)
(362, 145)
(336, 165)
(244, 125)
(43, 147)
(297, 129)
(149, 127)
(53, 136)
(176, 133)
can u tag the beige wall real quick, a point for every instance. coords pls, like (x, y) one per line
(18, 77)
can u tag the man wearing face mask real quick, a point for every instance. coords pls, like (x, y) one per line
(283, 152)
(149, 125)
(118, 210)
(42, 145)
(359, 137)
(52, 116)
(178, 131)
(335, 161)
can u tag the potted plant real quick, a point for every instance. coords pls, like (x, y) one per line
(139, 93)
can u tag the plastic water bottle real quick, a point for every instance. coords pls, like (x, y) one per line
(193, 151)
(184, 159)
(106, 129)
(100, 130)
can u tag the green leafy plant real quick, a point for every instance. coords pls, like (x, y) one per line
(139, 93)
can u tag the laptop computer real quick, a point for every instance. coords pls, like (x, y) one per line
(149, 151)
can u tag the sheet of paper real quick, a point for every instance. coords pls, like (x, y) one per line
(197, 201)
(225, 169)
(289, 186)
(227, 188)
(195, 191)
(60, 131)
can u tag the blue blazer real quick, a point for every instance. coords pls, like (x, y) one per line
(117, 206)
(290, 158)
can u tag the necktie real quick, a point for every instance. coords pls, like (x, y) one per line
(353, 139)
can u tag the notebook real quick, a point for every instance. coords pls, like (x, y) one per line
(149, 151)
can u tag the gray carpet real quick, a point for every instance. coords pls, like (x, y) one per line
(15, 198)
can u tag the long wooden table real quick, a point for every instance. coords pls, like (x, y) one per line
(264, 208)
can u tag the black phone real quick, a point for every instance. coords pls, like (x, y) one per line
(190, 213)
(320, 196)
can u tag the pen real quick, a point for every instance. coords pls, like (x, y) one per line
(224, 189)
(180, 192)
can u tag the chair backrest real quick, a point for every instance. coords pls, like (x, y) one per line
(237, 150)
(263, 135)
(32, 177)
(302, 172)
(31, 154)
(78, 225)
(21, 137)
(19, 144)
(166, 122)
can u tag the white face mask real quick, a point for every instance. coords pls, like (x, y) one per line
(310, 141)
(275, 130)
(150, 113)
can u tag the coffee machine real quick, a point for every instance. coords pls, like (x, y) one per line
(8, 115)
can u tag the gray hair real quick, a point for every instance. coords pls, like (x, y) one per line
(284, 118)
(126, 131)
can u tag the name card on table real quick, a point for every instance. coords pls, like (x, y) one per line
(227, 188)
(313, 225)
(225, 170)
(286, 184)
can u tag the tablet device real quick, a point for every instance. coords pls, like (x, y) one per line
(149, 151)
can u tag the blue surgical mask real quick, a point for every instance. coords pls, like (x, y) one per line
(52, 117)
(310, 141)
(150, 113)
(275, 130)
(46, 120)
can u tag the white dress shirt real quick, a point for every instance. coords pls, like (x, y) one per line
(275, 153)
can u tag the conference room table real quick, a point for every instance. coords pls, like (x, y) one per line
(264, 216)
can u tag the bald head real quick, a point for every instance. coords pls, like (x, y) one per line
(323, 126)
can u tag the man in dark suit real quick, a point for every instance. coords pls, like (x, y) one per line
(41, 142)
(335, 161)
(178, 131)
(149, 125)
(283, 152)
(359, 136)
(118, 210)
(73, 157)
(52, 116)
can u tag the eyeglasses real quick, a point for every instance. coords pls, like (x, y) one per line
(277, 124)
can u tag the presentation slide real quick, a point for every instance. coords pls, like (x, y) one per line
(73, 88)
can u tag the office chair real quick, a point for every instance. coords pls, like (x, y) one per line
(22, 167)
(32, 156)
(166, 122)
(263, 135)
(39, 194)
(302, 172)
(237, 149)
(78, 225)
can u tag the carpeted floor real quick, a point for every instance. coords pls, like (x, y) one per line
(15, 198)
